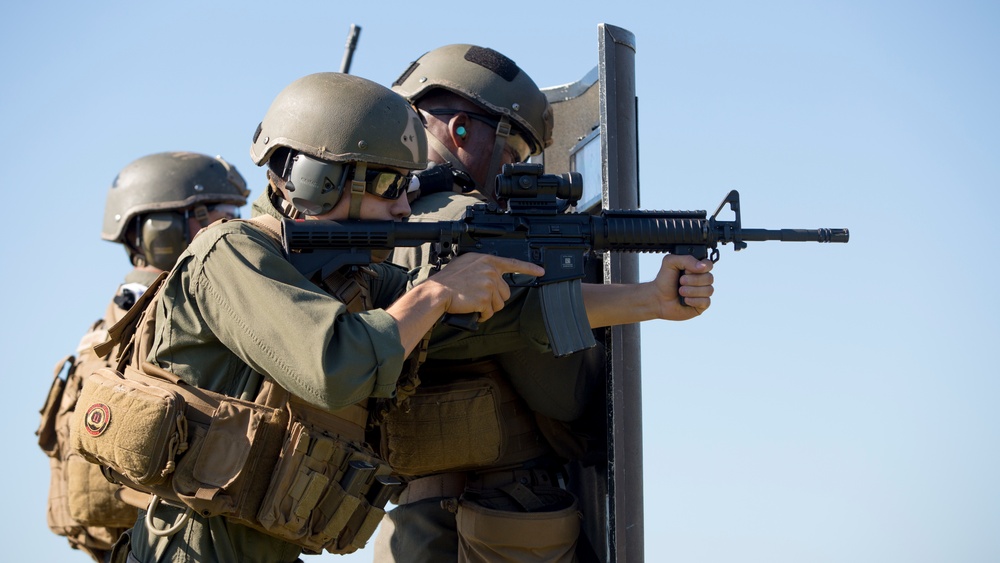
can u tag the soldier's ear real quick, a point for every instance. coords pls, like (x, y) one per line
(458, 128)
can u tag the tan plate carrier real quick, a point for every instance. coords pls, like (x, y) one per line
(274, 464)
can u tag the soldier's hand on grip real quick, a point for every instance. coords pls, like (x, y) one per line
(683, 277)
(475, 282)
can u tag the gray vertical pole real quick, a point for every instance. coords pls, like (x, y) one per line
(620, 163)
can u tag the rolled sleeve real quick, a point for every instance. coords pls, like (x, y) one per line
(384, 335)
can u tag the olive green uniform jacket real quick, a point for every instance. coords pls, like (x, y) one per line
(234, 303)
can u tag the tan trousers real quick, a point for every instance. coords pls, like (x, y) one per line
(426, 532)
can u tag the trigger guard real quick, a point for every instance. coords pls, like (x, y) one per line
(509, 278)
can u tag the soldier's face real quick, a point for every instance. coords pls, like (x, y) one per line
(373, 208)
(481, 150)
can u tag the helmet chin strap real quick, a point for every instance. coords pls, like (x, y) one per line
(357, 189)
(279, 198)
(499, 142)
(200, 213)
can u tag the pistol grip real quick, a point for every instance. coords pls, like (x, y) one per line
(464, 321)
(680, 298)
(698, 251)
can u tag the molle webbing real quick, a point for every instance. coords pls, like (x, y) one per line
(349, 422)
(462, 417)
(81, 503)
(521, 435)
(273, 404)
(274, 464)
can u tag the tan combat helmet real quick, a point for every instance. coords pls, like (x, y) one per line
(150, 200)
(327, 130)
(490, 80)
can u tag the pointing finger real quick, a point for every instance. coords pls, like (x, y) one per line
(514, 266)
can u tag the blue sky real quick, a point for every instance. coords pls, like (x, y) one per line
(836, 403)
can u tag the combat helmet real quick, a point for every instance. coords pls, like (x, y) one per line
(150, 200)
(328, 130)
(487, 78)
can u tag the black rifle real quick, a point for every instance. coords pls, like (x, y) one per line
(536, 229)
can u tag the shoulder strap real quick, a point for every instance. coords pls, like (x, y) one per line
(122, 330)
(141, 341)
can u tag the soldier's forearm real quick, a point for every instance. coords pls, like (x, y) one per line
(417, 311)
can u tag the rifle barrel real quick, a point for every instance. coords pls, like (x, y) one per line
(796, 235)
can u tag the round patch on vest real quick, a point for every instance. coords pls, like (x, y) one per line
(97, 419)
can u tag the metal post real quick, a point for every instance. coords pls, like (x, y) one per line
(620, 164)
